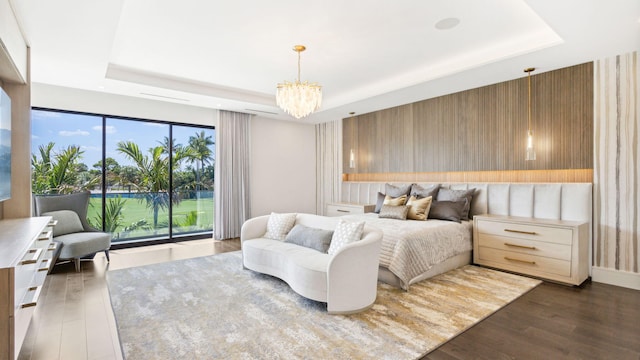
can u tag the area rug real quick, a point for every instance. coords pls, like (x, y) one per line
(211, 308)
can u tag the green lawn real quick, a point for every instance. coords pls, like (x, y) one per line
(135, 210)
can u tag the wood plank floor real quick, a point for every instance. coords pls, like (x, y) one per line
(596, 321)
(74, 319)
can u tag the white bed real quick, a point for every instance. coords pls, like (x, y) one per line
(566, 201)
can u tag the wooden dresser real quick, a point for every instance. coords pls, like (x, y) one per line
(26, 251)
(551, 249)
(339, 209)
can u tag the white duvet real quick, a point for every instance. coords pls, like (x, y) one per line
(411, 247)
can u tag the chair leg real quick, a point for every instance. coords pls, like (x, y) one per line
(77, 262)
(106, 253)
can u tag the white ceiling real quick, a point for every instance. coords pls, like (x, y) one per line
(367, 55)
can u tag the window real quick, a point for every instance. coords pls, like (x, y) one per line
(131, 167)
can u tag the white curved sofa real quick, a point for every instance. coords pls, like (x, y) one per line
(346, 280)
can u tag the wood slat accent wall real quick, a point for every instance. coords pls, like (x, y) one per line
(482, 129)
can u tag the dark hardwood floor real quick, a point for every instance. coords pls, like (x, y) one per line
(595, 321)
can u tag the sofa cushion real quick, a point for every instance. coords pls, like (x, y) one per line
(68, 222)
(345, 233)
(83, 243)
(314, 238)
(279, 225)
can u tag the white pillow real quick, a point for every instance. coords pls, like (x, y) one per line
(279, 225)
(345, 233)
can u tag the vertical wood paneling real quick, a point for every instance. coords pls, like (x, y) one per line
(483, 129)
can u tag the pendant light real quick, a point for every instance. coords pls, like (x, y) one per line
(530, 151)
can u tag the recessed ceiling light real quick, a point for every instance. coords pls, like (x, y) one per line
(448, 23)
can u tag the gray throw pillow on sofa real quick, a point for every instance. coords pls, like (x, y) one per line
(318, 239)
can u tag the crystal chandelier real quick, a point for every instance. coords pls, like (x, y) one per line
(299, 99)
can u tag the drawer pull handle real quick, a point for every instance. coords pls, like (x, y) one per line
(521, 246)
(518, 260)
(34, 257)
(345, 211)
(45, 265)
(44, 236)
(521, 232)
(34, 300)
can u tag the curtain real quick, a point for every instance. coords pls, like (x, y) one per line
(328, 164)
(232, 203)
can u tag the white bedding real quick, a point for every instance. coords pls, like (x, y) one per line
(411, 247)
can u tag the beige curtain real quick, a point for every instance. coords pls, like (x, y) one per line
(232, 202)
(328, 164)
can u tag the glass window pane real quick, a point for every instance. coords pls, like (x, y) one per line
(65, 149)
(137, 200)
(193, 176)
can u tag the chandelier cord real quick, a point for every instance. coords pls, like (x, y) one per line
(298, 65)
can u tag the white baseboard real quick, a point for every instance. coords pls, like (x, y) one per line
(616, 277)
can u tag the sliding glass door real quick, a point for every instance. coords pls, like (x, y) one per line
(149, 180)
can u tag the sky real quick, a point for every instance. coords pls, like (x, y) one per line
(66, 129)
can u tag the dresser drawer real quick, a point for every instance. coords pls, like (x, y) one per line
(524, 246)
(529, 264)
(526, 231)
(340, 209)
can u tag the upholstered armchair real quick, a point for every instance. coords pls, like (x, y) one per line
(77, 238)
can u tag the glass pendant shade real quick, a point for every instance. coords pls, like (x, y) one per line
(531, 152)
(352, 160)
(297, 98)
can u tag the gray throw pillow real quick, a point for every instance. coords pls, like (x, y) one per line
(447, 210)
(422, 192)
(379, 202)
(68, 222)
(397, 190)
(455, 195)
(394, 212)
(318, 239)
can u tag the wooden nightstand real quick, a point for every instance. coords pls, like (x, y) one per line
(339, 209)
(551, 249)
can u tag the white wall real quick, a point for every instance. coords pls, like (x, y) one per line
(283, 167)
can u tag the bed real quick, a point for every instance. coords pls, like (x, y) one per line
(410, 249)
(416, 250)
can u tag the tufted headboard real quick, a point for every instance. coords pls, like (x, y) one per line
(562, 201)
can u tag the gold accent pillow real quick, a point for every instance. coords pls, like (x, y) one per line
(419, 208)
(397, 201)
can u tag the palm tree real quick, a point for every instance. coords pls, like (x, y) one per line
(153, 173)
(58, 173)
(198, 152)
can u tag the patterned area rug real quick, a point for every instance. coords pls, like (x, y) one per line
(210, 308)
